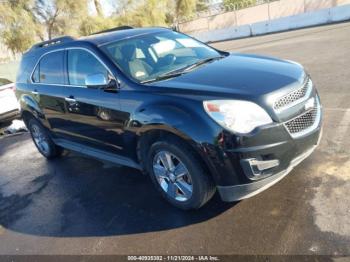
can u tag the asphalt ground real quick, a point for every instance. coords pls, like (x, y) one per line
(78, 205)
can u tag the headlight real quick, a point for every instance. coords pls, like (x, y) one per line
(236, 115)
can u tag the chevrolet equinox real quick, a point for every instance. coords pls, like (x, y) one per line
(194, 118)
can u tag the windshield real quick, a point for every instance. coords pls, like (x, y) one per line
(149, 57)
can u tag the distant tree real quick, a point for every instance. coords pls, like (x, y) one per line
(202, 5)
(17, 25)
(180, 9)
(60, 17)
(94, 24)
(98, 8)
(151, 13)
(185, 8)
(23, 22)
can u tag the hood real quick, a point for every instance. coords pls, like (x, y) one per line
(239, 74)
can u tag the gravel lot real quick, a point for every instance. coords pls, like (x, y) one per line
(77, 205)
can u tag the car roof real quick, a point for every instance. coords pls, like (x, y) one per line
(104, 38)
(95, 39)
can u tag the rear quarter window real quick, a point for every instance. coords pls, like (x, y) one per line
(50, 69)
(26, 68)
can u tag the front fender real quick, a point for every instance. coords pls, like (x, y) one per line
(188, 123)
(196, 128)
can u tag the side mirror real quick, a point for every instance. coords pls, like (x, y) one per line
(100, 81)
(96, 81)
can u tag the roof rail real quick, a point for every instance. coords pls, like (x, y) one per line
(53, 41)
(118, 28)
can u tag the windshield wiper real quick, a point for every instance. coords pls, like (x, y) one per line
(202, 62)
(167, 75)
(180, 71)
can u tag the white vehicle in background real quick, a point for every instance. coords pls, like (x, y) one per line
(9, 107)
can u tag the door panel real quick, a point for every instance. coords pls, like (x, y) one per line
(92, 118)
(47, 89)
(92, 115)
(51, 101)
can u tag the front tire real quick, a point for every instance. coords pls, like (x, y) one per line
(179, 175)
(42, 140)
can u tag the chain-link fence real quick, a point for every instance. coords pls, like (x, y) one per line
(223, 7)
(247, 12)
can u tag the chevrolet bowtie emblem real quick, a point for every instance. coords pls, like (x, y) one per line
(310, 103)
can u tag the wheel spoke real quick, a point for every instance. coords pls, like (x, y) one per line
(159, 171)
(185, 188)
(171, 190)
(166, 160)
(44, 146)
(180, 170)
(35, 132)
(175, 180)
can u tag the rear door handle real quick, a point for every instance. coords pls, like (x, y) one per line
(70, 99)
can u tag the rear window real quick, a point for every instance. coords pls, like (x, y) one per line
(50, 69)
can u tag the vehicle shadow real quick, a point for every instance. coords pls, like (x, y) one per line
(78, 196)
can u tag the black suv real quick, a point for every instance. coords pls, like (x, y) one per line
(194, 118)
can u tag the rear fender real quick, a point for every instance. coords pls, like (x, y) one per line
(28, 104)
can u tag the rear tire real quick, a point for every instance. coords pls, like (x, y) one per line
(179, 174)
(42, 140)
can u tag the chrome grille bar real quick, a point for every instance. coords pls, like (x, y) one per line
(294, 97)
(306, 122)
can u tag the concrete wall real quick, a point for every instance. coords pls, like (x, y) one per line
(256, 14)
(312, 18)
(253, 14)
(285, 8)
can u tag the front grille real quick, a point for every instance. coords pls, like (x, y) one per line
(303, 122)
(293, 96)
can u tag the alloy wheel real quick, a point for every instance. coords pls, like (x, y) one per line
(172, 176)
(40, 139)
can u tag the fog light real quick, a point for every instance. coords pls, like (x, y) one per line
(254, 168)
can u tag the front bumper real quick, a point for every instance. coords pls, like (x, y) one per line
(243, 166)
(239, 192)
